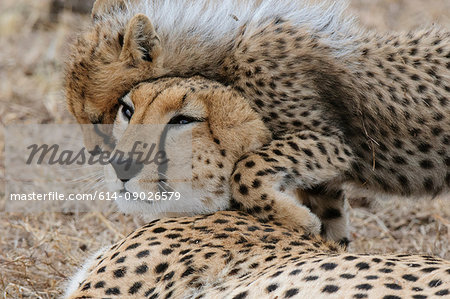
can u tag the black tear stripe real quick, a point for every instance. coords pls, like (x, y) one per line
(107, 138)
(163, 167)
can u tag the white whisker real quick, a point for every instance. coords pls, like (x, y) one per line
(161, 187)
(88, 177)
(93, 188)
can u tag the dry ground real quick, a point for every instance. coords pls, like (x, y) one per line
(37, 252)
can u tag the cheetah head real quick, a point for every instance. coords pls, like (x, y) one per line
(106, 62)
(201, 127)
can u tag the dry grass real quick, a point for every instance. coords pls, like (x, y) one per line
(38, 251)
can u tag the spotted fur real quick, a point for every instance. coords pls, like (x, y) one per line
(234, 255)
(213, 126)
(345, 106)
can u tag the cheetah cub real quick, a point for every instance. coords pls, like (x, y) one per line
(233, 255)
(344, 106)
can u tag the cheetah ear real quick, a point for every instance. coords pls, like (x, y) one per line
(141, 43)
(107, 7)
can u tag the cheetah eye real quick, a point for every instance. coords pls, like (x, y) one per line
(183, 120)
(126, 110)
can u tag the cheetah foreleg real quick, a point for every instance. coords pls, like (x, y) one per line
(307, 160)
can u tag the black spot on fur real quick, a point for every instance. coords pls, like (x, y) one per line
(241, 295)
(188, 271)
(330, 289)
(362, 266)
(291, 293)
(364, 286)
(135, 288)
(119, 273)
(112, 291)
(271, 288)
(410, 277)
(141, 269)
(159, 230)
(393, 286)
(328, 266)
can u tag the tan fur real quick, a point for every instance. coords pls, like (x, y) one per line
(233, 255)
(227, 128)
(343, 107)
(92, 92)
(102, 7)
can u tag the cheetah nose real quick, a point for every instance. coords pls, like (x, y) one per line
(125, 169)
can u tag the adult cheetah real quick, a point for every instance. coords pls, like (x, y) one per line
(344, 106)
(233, 255)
